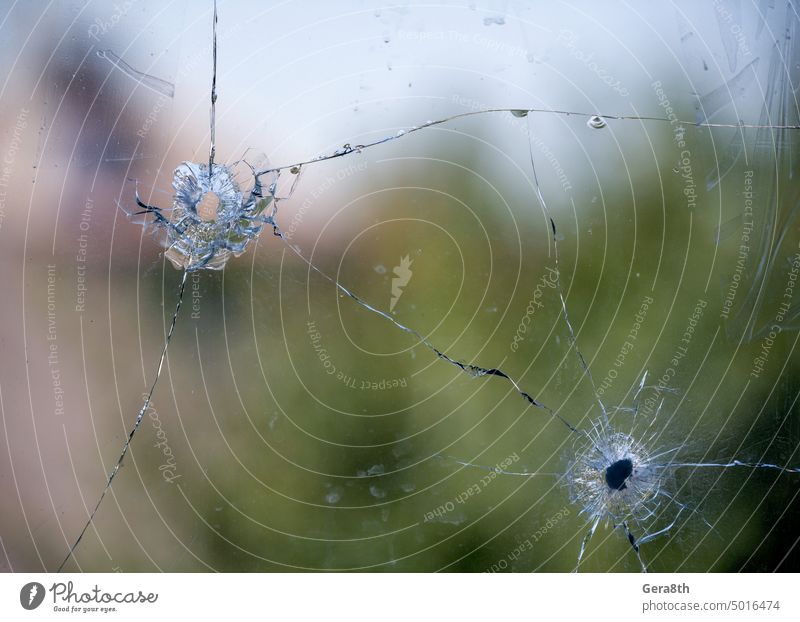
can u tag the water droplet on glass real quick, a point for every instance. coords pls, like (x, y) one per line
(520, 113)
(596, 122)
(400, 133)
(334, 496)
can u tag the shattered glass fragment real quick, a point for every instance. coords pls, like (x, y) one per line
(730, 156)
(617, 477)
(158, 85)
(763, 7)
(195, 239)
(729, 21)
(726, 94)
(596, 122)
(691, 50)
(776, 216)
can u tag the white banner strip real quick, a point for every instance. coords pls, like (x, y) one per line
(399, 597)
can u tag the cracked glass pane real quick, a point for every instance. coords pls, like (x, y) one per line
(479, 286)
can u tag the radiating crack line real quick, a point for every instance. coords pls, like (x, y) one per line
(139, 417)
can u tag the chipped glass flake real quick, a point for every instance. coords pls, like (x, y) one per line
(197, 240)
